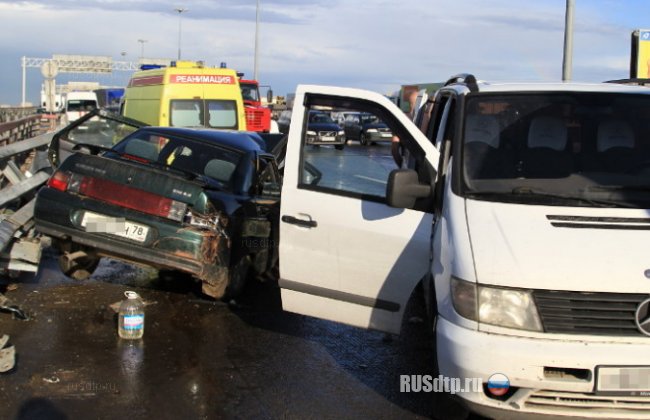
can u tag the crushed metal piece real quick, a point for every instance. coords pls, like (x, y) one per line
(6, 306)
(7, 356)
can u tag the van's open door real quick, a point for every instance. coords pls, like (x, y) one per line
(345, 255)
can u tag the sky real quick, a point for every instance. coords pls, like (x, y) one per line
(370, 44)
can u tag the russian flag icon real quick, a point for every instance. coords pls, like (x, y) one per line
(498, 384)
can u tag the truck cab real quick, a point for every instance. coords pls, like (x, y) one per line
(258, 117)
(78, 104)
(522, 210)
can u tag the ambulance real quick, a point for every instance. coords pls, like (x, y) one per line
(185, 94)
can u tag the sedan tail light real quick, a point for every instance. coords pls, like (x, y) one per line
(119, 195)
(59, 181)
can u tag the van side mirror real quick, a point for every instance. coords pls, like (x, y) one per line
(404, 188)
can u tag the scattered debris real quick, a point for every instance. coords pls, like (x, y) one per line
(52, 380)
(6, 306)
(7, 355)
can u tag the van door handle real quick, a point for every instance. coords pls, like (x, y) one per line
(300, 222)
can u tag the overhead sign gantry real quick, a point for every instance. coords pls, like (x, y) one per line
(84, 64)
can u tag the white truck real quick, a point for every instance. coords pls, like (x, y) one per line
(78, 104)
(524, 212)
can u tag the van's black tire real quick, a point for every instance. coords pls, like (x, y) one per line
(444, 402)
(237, 278)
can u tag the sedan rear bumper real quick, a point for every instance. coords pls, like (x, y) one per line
(110, 247)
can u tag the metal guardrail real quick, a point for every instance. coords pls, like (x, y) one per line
(14, 113)
(23, 168)
(19, 129)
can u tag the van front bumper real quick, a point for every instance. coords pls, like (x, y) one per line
(535, 366)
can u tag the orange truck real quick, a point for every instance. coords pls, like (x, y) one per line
(258, 117)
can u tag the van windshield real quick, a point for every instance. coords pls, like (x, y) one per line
(211, 113)
(578, 148)
(78, 105)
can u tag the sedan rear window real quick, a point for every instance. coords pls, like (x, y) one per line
(183, 154)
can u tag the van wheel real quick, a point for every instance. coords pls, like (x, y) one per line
(446, 405)
(238, 274)
(431, 305)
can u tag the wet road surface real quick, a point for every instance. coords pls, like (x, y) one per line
(200, 358)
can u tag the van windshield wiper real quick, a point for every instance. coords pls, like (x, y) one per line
(532, 192)
(642, 188)
(596, 202)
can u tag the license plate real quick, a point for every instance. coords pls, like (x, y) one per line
(98, 223)
(623, 380)
(386, 135)
(328, 138)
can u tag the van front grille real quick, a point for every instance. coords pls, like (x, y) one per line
(589, 313)
(579, 403)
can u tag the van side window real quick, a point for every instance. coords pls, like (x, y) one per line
(436, 127)
(348, 162)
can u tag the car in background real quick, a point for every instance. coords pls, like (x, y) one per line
(199, 201)
(366, 128)
(78, 104)
(322, 130)
(339, 116)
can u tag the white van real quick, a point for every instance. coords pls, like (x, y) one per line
(78, 104)
(523, 210)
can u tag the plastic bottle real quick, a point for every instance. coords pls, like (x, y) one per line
(131, 317)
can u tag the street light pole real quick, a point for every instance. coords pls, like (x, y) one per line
(23, 62)
(180, 11)
(257, 38)
(142, 41)
(567, 62)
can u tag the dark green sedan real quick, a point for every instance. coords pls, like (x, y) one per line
(199, 201)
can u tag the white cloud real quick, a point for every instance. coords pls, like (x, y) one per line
(375, 44)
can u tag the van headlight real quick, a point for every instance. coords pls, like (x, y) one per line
(509, 308)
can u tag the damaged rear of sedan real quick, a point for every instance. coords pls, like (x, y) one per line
(202, 202)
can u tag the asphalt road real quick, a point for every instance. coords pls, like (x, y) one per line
(361, 169)
(200, 358)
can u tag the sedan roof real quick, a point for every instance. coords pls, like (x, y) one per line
(240, 140)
